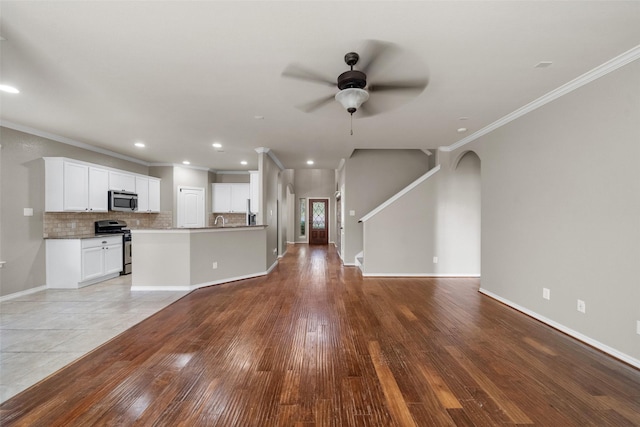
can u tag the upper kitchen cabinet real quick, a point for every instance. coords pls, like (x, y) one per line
(122, 181)
(74, 186)
(148, 190)
(230, 197)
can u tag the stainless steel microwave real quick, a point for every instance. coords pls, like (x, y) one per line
(123, 201)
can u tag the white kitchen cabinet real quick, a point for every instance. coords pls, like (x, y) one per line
(154, 195)
(98, 189)
(254, 191)
(230, 197)
(74, 186)
(148, 190)
(74, 263)
(122, 181)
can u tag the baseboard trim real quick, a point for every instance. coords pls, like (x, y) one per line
(172, 288)
(574, 334)
(420, 275)
(23, 293)
(188, 288)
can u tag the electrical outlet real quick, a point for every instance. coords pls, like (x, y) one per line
(73, 225)
(546, 293)
(582, 307)
(352, 213)
(137, 222)
(215, 265)
(638, 327)
(275, 251)
(435, 259)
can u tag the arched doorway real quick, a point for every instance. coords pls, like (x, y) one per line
(464, 215)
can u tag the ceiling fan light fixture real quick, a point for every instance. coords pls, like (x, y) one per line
(352, 98)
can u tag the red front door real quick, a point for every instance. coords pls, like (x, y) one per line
(318, 221)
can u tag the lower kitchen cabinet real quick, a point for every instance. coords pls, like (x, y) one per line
(74, 263)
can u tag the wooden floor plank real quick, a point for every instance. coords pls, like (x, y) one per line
(315, 344)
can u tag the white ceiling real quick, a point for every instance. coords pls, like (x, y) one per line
(180, 75)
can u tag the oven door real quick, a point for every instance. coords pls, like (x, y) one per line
(126, 255)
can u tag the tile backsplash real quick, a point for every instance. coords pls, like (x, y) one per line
(229, 219)
(70, 224)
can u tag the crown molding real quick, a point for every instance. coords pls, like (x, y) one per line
(179, 165)
(270, 153)
(619, 61)
(69, 141)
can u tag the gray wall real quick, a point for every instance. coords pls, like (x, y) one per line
(233, 177)
(285, 208)
(315, 183)
(438, 218)
(23, 187)
(371, 177)
(165, 173)
(269, 210)
(561, 209)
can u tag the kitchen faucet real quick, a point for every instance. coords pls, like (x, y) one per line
(215, 222)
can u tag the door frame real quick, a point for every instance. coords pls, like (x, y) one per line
(309, 217)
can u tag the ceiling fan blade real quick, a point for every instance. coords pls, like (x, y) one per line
(366, 110)
(405, 85)
(295, 71)
(314, 105)
(372, 54)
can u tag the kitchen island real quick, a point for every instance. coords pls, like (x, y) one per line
(190, 258)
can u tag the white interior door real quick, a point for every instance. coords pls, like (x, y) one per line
(190, 207)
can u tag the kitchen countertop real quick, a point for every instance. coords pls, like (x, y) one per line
(199, 229)
(83, 236)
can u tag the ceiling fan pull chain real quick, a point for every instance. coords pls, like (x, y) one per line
(351, 124)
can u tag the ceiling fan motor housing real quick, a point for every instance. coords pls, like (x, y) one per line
(352, 79)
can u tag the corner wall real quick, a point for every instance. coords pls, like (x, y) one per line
(561, 210)
(23, 187)
(370, 178)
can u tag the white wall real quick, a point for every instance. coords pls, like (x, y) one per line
(561, 210)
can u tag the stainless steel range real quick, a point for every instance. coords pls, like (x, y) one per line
(113, 226)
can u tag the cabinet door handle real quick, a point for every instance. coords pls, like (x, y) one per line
(104, 242)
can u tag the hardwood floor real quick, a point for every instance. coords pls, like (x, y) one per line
(314, 344)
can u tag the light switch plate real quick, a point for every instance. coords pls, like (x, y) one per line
(546, 293)
(352, 213)
(28, 211)
(638, 327)
(435, 259)
(582, 307)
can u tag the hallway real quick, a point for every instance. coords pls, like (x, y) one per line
(315, 344)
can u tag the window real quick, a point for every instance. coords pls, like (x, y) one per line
(303, 217)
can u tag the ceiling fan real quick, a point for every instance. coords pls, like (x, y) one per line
(354, 88)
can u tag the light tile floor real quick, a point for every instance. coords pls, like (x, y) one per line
(44, 331)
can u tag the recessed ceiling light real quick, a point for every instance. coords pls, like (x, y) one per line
(139, 144)
(186, 162)
(462, 130)
(217, 145)
(9, 89)
(258, 117)
(244, 162)
(463, 118)
(309, 162)
(543, 64)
